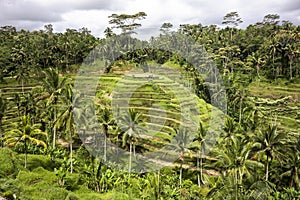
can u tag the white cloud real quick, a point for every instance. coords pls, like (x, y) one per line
(93, 14)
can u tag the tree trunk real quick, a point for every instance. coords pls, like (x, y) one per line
(267, 168)
(105, 146)
(180, 175)
(240, 110)
(71, 154)
(22, 86)
(291, 67)
(25, 162)
(54, 130)
(257, 71)
(1, 131)
(201, 168)
(198, 175)
(130, 155)
(236, 187)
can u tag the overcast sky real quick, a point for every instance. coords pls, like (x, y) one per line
(93, 14)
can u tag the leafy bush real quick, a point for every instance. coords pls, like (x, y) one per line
(288, 193)
(8, 162)
(8, 187)
(35, 161)
(40, 184)
(37, 175)
(71, 181)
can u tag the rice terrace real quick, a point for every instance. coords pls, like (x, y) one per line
(194, 112)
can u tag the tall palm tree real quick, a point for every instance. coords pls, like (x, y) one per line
(269, 142)
(182, 140)
(69, 105)
(27, 133)
(22, 76)
(200, 139)
(106, 120)
(234, 160)
(130, 123)
(291, 164)
(54, 88)
(3, 108)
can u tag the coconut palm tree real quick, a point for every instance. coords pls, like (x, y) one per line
(234, 160)
(54, 86)
(25, 133)
(269, 142)
(70, 103)
(200, 139)
(291, 166)
(3, 108)
(106, 120)
(182, 140)
(130, 124)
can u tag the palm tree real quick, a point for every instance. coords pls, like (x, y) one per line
(269, 142)
(234, 160)
(130, 124)
(70, 105)
(22, 75)
(106, 120)
(3, 107)
(27, 133)
(292, 164)
(182, 140)
(54, 88)
(200, 139)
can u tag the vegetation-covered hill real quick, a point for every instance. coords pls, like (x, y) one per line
(44, 155)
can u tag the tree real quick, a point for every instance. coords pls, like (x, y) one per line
(182, 140)
(234, 161)
(269, 142)
(232, 19)
(106, 120)
(108, 32)
(54, 87)
(200, 139)
(3, 108)
(291, 166)
(70, 104)
(25, 133)
(165, 28)
(127, 23)
(271, 19)
(131, 123)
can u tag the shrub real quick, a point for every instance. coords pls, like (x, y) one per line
(35, 161)
(8, 162)
(37, 175)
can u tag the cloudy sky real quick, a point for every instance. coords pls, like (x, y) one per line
(93, 14)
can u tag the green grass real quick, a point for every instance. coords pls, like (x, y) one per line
(287, 113)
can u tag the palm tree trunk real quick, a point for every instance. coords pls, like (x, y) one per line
(291, 69)
(201, 168)
(198, 175)
(180, 175)
(54, 130)
(236, 186)
(1, 143)
(130, 156)
(25, 162)
(240, 110)
(71, 153)
(105, 146)
(22, 86)
(257, 71)
(267, 168)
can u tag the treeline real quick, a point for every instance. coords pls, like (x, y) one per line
(269, 48)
